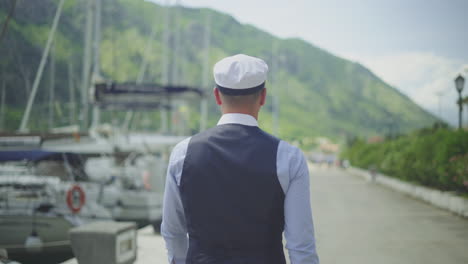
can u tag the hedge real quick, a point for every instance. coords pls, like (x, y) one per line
(432, 157)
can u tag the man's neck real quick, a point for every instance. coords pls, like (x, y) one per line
(238, 111)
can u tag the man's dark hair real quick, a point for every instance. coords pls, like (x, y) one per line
(240, 100)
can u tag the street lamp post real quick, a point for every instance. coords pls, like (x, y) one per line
(459, 84)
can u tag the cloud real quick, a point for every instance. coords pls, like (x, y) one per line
(424, 77)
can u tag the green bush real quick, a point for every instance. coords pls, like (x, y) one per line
(435, 157)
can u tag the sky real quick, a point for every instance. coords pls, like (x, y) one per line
(417, 46)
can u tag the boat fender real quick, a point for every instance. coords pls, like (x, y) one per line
(75, 198)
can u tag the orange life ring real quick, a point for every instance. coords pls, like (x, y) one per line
(75, 198)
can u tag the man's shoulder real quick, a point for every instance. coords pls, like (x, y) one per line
(286, 145)
(285, 150)
(183, 142)
(181, 147)
(270, 136)
(289, 148)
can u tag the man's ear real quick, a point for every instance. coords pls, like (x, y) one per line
(263, 96)
(217, 96)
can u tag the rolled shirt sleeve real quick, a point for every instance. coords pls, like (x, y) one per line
(174, 227)
(293, 174)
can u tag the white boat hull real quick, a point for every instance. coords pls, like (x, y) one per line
(142, 207)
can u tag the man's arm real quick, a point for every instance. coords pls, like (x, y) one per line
(174, 228)
(299, 227)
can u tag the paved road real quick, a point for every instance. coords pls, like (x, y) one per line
(361, 222)
(358, 222)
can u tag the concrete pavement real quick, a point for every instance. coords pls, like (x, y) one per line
(360, 222)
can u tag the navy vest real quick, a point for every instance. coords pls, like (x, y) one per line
(232, 198)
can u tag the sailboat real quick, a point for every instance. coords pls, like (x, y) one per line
(125, 170)
(129, 166)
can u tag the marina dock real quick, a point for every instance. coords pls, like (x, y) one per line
(112, 112)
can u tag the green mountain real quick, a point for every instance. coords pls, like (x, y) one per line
(319, 93)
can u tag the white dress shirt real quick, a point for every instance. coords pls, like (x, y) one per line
(293, 175)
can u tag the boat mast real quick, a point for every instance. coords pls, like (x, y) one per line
(165, 72)
(175, 78)
(2, 107)
(52, 87)
(97, 56)
(207, 44)
(85, 79)
(24, 121)
(71, 91)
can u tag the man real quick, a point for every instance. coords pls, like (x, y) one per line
(232, 190)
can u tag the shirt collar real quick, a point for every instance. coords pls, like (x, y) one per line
(236, 118)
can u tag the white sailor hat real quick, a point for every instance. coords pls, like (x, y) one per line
(240, 75)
